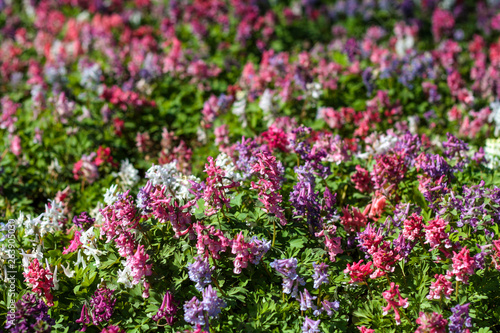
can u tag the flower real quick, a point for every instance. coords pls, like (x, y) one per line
(193, 312)
(394, 301)
(432, 323)
(460, 318)
(200, 272)
(211, 302)
(40, 280)
(128, 175)
(307, 301)
(84, 221)
(320, 275)
(311, 326)
(167, 309)
(463, 265)
(31, 315)
(442, 286)
(358, 272)
(102, 305)
(291, 280)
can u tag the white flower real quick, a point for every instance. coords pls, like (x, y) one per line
(201, 135)
(492, 152)
(54, 279)
(495, 116)
(35, 254)
(110, 196)
(67, 271)
(54, 166)
(403, 44)
(89, 245)
(52, 218)
(314, 90)
(166, 175)
(224, 162)
(266, 101)
(239, 108)
(128, 175)
(125, 276)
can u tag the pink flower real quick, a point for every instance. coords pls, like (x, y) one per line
(210, 240)
(394, 301)
(463, 265)
(431, 323)
(332, 243)
(435, 233)
(15, 145)
(363, 329)
(40, 279)
(139, 267)
(376, 207)
(269, 185)
(442, 23)
(442, 286)
(362, 180)
(221, 135)
(86, 169)
(352, 222)
(358, 272)
(413, 227)
(75, 243)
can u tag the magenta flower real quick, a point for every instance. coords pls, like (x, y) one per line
(167, 309)
(359, 272)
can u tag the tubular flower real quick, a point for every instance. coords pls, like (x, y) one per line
(394, 301)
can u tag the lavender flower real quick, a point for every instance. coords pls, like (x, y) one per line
(330, 307)
(211, 302)
(259, 249)
(311, 326)
(200, 272)
(291, 280)
(193, 312)
(320, 275)
(460, 318)
(307, 301)
(31, 316)
(144, 200)
(456, 150)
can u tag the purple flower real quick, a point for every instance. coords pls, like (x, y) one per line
(456, 150)
(259, 249)
(167, 309)
(31, 316)
(311, 326)
(84, 221)
(436, 166)
(211, 302)
(320, 275)
(330, 307)
(291, 280)
(144, 200)
(460, 318)
(102, 304)
(307, 301)
(200, 272)
(193, 312)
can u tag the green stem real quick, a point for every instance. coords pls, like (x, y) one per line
(274, 233)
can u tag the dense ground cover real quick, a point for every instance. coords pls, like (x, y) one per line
(272, 166)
